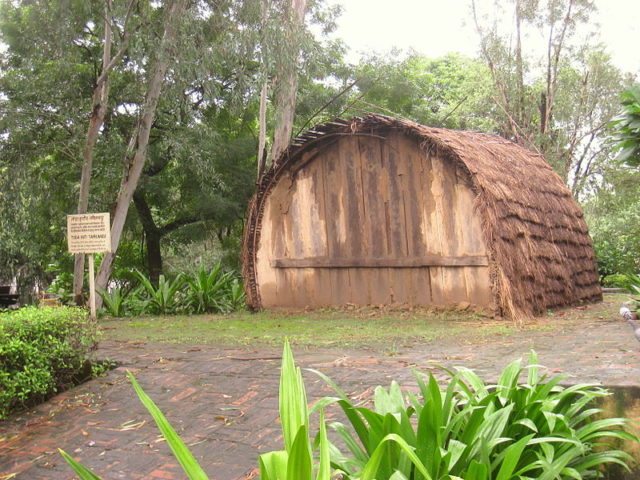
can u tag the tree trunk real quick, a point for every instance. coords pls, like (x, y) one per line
(130, 181)
(98, 112)
(262, 137)
(152, 236)
(287, 85)
(520, 101)
(262, 114)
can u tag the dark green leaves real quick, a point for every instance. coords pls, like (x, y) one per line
(626, 127)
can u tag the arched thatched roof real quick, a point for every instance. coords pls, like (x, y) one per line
(541, 255)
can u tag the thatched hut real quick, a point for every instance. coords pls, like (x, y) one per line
(378, 210)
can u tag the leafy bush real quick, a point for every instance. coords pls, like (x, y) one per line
(163, 299)
(42, 351)
(213, 291)
(200, 291)
(634, 286)
(617, 280)
(471, 431)
(536, 430)
(293, 463)
(114, 302)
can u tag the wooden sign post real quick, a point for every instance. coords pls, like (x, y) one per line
(89, 233)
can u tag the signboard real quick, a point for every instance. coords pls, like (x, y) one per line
(89, 233)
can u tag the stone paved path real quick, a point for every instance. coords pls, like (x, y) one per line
(224, 401)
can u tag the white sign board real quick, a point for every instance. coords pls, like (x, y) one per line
(89, 233)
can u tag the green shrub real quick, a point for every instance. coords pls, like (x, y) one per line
(162, 299)
(470, 430)
(42, 351)
(214, 291)
(634, 285)
(199, 291)
(617, 280)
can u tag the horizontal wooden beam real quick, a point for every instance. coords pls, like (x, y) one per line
(404, 262)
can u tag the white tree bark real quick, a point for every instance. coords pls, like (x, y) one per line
(141, 135)
(287, 81)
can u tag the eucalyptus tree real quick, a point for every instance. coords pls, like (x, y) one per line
(46, 73)
(559, 101)
(99, 105)
(201, 138)
(451, 91)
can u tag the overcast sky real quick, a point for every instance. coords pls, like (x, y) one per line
(436, 27)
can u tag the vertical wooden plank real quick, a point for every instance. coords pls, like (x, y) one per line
(356, 245)
(309, 238)
(266, 275)
(422, 285)
(325, 290)
(469, 231)
(395, 168)
(433, 219)
(410, 173)
(333, 220)
(396, 233)
(374, 187)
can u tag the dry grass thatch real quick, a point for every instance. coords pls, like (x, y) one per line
(541, 255)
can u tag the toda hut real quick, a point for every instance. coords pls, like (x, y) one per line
(379, 210)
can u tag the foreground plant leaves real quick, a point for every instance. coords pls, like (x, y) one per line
(296, 461)
(83, 472)
(188, 463)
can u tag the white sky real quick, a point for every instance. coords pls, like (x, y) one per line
(435, 28)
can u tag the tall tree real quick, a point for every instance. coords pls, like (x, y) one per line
(452, 91)
(99, 104)
(560, 102)
(140, 138)
(287, 76)
(201, 142)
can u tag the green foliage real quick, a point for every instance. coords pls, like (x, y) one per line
(200, 291)
(452, 91)
(626, 127)
(200, 167)
(472, 430)
(617, 280)
(162, 299)
(613, 216)
(293, 463)
(182, 453)
(114, 302)
(62, 284)
(42, 351)
(209, 291)
(634, 287)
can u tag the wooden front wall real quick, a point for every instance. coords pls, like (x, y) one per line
(371, 221)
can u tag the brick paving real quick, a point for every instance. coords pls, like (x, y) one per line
(223, 401)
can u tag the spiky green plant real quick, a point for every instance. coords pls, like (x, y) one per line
(114, 302)
(295, 462)
(209, 290)
(473, 431)
(163, 299)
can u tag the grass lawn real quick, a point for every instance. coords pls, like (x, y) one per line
(359, 327)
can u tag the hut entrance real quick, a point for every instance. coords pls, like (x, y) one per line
(372, 220)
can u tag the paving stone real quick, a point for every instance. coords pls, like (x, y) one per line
(224, 401)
